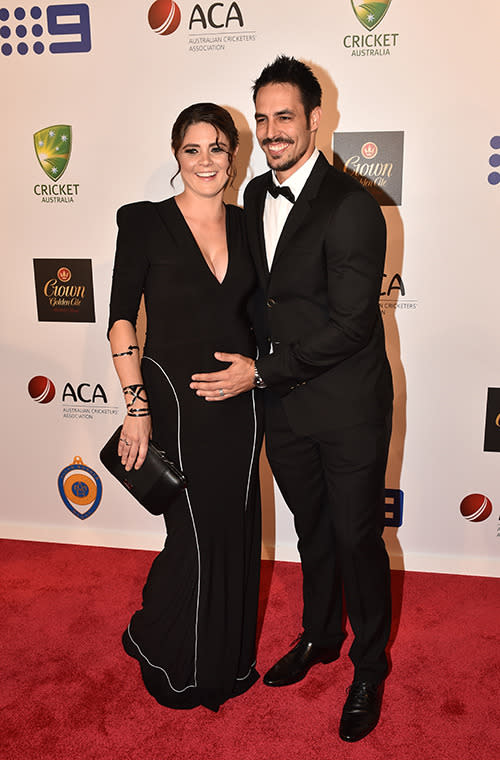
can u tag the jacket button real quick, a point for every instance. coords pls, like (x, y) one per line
(270, 303)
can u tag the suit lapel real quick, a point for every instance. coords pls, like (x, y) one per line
(255, 216)
(301, 207)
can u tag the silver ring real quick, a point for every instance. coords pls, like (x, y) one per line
(124, 441)
(221, 391)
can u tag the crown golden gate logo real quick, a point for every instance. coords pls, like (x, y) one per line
(370, 14)
(53, 149)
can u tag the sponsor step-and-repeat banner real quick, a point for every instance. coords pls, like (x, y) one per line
(90, 92)
(64, 294)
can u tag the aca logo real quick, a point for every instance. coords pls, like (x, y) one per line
(494, 161)
(395, 283)
(214, 18)
(370, 14)
(392, 294)
(80, 488)
(84, 393)
(41, 389)
(53, 149)
(476, 507)
(164, 17)
(68, 20)
(211, 26)
(77, 401)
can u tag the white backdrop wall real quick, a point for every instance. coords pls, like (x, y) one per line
(423, 71)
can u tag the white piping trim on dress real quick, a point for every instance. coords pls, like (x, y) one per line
(157, 667)
(195, 684)
(253, 448)
(254, 442)
(252, 666)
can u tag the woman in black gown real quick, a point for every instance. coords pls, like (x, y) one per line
(194, 637)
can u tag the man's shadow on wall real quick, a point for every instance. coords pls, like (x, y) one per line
(394, 264)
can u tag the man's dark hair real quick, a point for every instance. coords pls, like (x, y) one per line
(285, 70)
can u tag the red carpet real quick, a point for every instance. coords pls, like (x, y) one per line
(69, 691)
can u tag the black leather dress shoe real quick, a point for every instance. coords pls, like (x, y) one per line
(361, 710)
(296, 664)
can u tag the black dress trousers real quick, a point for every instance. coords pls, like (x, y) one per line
(333, 483)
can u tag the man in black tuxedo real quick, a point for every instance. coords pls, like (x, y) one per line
(318, 239)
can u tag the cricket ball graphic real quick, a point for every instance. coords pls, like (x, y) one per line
(164, 17)
(41, 389)
(476, 507)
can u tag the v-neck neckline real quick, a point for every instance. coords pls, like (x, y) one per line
(198, 249)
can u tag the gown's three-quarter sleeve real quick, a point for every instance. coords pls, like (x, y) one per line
(131, 263)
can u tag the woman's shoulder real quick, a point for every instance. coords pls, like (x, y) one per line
(235, 212)
(133, 210)
(234, 209)
(143, 208)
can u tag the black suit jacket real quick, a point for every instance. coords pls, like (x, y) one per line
(319, 304)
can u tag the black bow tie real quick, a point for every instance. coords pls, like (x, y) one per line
(276, 190)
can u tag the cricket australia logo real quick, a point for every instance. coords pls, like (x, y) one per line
(370, 14)
(53, 149)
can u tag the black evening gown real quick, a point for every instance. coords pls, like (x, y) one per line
(194, 636)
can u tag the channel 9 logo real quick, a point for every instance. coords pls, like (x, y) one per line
(27, 29)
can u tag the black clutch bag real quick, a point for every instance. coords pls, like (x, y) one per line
(155, 485)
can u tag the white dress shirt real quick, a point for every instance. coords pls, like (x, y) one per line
(276, 210)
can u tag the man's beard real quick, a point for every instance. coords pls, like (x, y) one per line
(286, 165)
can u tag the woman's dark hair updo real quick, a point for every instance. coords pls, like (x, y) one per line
(208, 113)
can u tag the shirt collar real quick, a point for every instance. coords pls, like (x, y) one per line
(298, 179)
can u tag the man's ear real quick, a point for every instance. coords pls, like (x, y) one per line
(315, 118)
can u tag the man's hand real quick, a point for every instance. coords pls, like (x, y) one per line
(236, 379)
